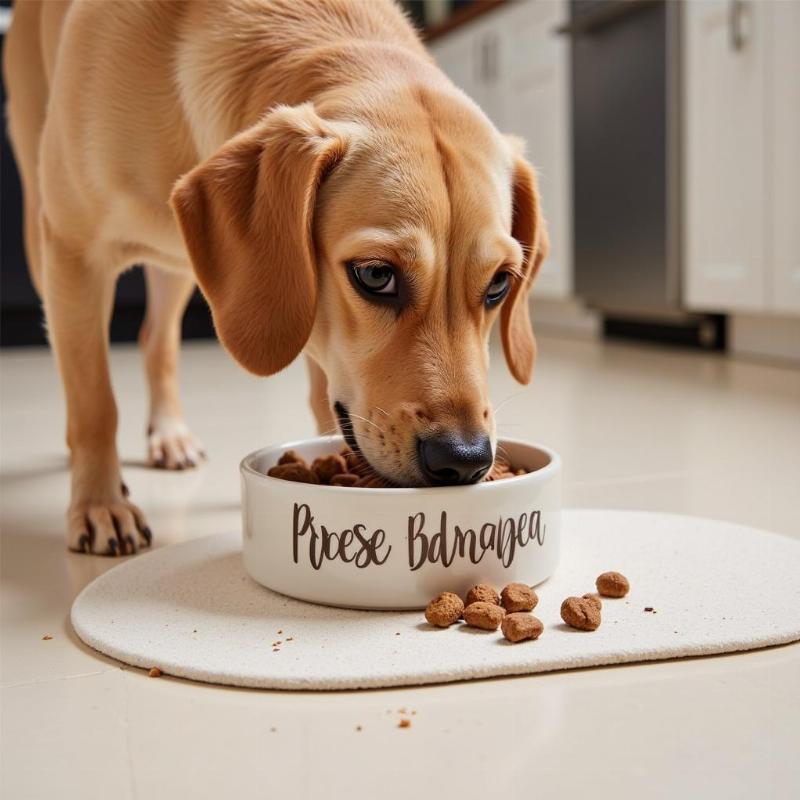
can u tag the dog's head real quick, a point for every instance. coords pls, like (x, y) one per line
(385, 249)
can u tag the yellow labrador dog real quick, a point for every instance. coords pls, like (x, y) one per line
(330, 190)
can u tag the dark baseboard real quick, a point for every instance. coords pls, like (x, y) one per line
(22, 327)
(702, 331)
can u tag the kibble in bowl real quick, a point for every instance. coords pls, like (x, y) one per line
(349, 539)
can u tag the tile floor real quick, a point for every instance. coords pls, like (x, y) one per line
(637, 428)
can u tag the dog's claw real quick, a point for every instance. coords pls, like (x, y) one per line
(112, 527)
(147, 534)
(171, 445)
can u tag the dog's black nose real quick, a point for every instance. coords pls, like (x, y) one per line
(449, 460)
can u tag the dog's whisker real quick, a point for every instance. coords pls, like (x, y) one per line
(508, 399)
(501, 451)
(368, 421)
(330, 432)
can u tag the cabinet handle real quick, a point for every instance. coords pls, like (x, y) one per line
(483, 71)
(487, 68)
(737, 24)
(489, 58)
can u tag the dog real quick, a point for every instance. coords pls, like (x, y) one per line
(326, 185)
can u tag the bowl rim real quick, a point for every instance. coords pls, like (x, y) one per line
(542, 474)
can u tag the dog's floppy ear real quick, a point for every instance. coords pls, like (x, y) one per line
(528, 228)
(246, 216)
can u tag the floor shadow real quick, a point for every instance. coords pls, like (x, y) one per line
(47, 467)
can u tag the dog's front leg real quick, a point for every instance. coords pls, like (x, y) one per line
(78, 297)
(170, 443)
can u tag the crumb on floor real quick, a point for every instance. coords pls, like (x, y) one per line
(47, 637)
(404, 723)
(155, 672)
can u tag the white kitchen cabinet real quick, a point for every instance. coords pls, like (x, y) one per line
(742, 156)
(472, 58)
(783, 156)
(538, 110)
(724, 155)
(516, 68)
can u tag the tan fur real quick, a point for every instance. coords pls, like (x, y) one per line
(309, 133)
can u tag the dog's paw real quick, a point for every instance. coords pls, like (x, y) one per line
(171, 445)
(113, 527)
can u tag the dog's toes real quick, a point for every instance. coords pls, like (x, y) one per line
(105, 531)
(143, 535)
(125, 525)
(155, 452)
(172, 446)
(79, 532)
(80, 542)
(113, 528)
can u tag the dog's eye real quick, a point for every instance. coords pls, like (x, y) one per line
(375, 278)
(498, 288)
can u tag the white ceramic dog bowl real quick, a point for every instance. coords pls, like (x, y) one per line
(397, 548)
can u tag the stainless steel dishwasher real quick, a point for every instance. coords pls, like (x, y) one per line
(626, 103)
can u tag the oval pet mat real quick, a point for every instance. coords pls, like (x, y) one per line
(192, 611)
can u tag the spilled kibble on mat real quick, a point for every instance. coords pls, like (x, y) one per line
(350, 469)
(518, 597)
(594, 598)
(519, 626)
(612, 584)
(509, 610)
(482, 593)
(486, 616)
(444, 610)
(580, 613)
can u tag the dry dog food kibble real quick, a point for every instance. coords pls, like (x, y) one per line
(350, 469)
(487, 616)
(518, 627)
(482, 593)
(444, 610)
(293, 471)
(612, 584)
(328, 467)
(346, 479)
(501, 470)
(518, 597)
(291, 457)
(580, 613)
(594, 598)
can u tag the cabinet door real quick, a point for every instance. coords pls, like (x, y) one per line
(517, 70)
(783, 156)
(538, 110)
(724, 167)
(472, 58)
(455, 56)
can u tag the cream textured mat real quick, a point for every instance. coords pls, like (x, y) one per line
(192, 611)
